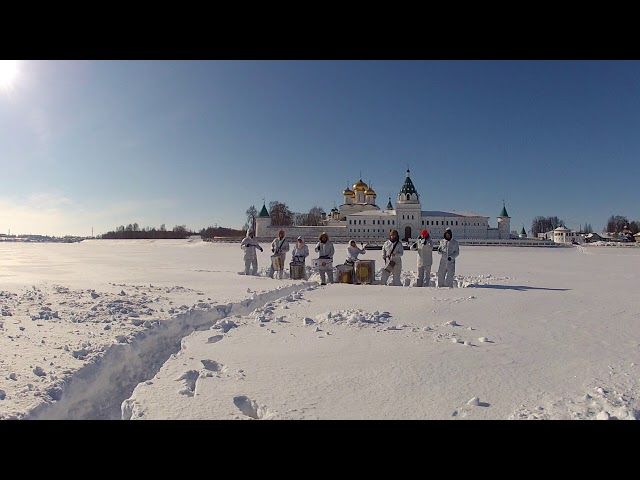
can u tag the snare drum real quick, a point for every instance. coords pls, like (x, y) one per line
(365, 271)
(296, 271)
(345, 273)
(323, 263)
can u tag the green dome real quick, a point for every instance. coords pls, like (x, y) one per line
(503, 213)
(263, 212)
(523, 232)
(408, 187)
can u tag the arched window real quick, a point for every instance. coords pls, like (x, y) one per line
(407, 196)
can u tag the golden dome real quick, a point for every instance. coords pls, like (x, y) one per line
(349, 192)
(370, 192)
(360, 186)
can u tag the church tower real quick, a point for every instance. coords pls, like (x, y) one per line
(263, 222)
(504, 224)
(408, 210)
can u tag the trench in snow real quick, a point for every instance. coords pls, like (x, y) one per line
(97, 390)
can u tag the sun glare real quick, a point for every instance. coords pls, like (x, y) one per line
(8, 72)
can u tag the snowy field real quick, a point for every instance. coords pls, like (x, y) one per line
(142, 329)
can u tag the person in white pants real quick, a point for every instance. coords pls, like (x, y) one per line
(449, 249)
(325, 251)
(279, 247)
(300, 253)
(392, 251)
(424, 246)
(249, 245)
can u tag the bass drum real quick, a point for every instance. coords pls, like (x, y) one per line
(365, 272)
(296, 271)
(345, 273)
(323, 263)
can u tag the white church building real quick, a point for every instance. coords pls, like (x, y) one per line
(360, 218)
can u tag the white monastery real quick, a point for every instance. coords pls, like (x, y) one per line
(360, 218)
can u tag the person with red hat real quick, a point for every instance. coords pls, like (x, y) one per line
(424, 246)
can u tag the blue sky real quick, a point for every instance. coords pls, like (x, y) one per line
(98, 144)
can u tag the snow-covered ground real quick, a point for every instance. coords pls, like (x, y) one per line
(169, 330)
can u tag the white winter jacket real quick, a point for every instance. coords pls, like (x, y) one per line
(448, 249)
(353, 252)
(250, 245)
(302, 252)
(425, 251)
(397, 252)
(280, 247)
(325, 249)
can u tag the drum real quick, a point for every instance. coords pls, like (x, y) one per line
(323, 263)
(365, 271)
(296, 271)
(276, 262)
(345, 273)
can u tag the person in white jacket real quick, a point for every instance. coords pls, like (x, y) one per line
(353, 251)
(392, 251)
(279, 249)
(300, 252)
(424, 246)
(449, 249)
(249, 245)
(325, 251)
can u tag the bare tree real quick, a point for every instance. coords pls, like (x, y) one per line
(252, 214)
(280, 214)
(616, 224)
(545, 224)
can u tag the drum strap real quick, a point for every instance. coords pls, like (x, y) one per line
(394, 247)
(281, 243)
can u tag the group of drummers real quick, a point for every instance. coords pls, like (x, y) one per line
(355, 270)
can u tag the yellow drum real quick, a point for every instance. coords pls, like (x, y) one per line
(277, 262)
(296, 271)
(345, 273)
(365, 271)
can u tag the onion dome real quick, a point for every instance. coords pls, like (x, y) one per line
(370, 191)
(360, 186)
(349, 192)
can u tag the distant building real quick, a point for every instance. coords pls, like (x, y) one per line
(359, 217)
(523, 233)
(564, 235)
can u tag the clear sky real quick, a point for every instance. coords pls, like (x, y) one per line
(98, 144)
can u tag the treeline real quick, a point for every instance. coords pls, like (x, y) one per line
(282, 216)
(619, 224)
(545, 224)
(132, 231)
(615, 224)
(216, 231)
